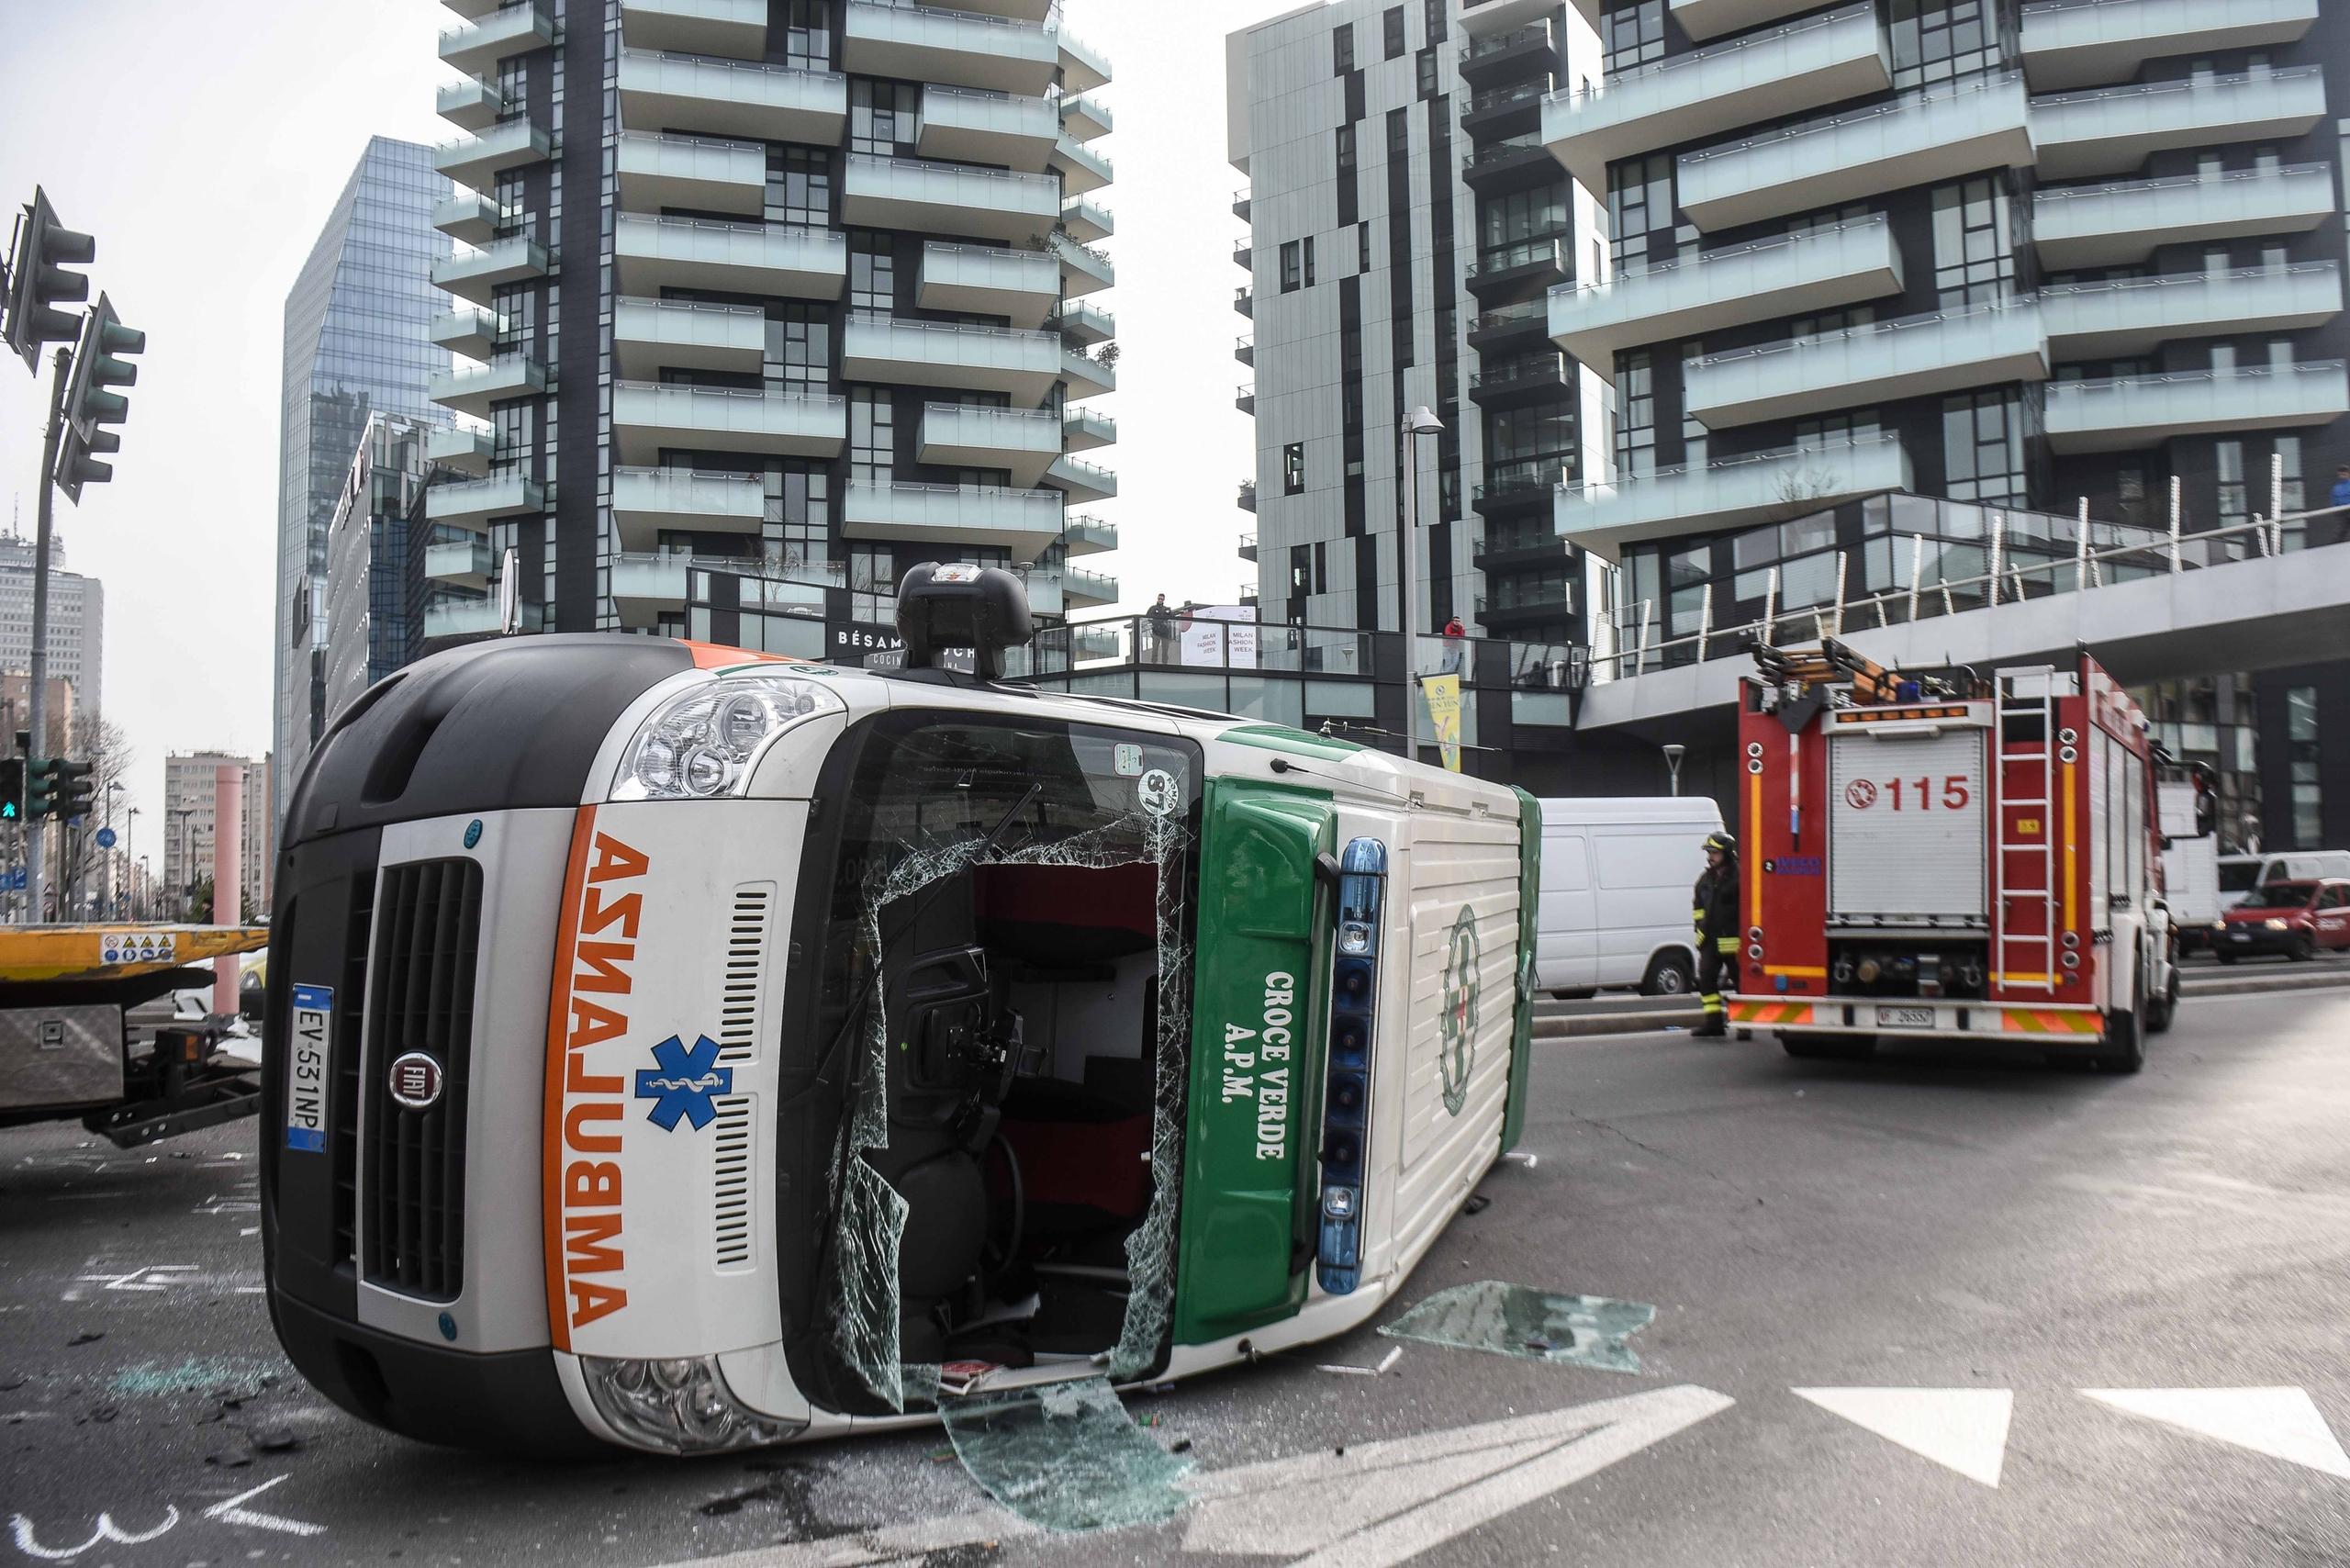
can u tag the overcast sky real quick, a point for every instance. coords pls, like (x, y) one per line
(227, 131)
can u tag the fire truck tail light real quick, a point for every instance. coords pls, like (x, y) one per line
(1346, 1106)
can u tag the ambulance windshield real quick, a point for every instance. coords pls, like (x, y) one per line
(1006, 973)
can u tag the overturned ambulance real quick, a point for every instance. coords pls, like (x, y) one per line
(687, 1049)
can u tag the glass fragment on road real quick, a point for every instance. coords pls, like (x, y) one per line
(1527, 1324)
(1065, 1457)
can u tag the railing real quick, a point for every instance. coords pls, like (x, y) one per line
(1518, 367)
(743, 67)
(1131, 642)
(1512, 315)
(489, 20)
(2171, 181)
(1038, 419)
(769, 569)
(1712, 51)
(1014, 180)
(659, 139)
(714, 226)
(1825, 449)
(1525, 254)
(1494, 43)
(1502, 97)
(941, 12)
(2180, 84)
(2024, 304)
(896, 324)
(992, 252)
(1907, 102)
(687, 307)
(2007, 581)
(1876, 220)
(1498, 152)
(2326, 367)
(2179, 280)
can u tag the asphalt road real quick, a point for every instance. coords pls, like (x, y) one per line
(2012, 1232)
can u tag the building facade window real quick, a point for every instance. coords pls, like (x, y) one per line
(872, 436)
(872, 273)
(1508, 226)
(1294, 468)
(1345, 141)
(1392, 20)
(1974, 251)
(1633, 34)
(1292, 266)
(1639, 204)
(806, 32)
(1635, 413)
(884, 118)
(1424, 72)
(2300, 736)
(1983, 447)
(1945, 40)
(1342, 49)
(798, 348)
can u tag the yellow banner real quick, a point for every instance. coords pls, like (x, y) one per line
(1444, 714)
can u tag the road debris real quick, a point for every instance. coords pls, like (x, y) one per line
(1527, 1324)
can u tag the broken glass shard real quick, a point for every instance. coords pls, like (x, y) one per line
(1528, 1324)
(1064, 1456)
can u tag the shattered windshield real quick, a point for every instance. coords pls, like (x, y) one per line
(1006, 972)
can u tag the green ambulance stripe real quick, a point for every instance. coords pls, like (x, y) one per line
(1248, 1228)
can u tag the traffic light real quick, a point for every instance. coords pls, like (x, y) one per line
(72, 789)
(89, 405)
(39, 281)
(12, 792)
(40, 788)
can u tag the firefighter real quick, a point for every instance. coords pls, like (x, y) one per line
(1716, 914)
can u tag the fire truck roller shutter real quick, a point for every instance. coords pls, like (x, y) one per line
(1905, 835)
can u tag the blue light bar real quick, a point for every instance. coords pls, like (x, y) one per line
(1346, 1110)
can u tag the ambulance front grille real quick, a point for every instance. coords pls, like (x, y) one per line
(345, 1062)
(738, 1047)
(419, 998)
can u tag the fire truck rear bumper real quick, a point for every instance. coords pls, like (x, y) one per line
(1923, 1018)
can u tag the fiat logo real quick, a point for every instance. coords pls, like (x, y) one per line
(415, 1082)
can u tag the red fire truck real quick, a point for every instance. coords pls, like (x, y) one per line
(1949, 856)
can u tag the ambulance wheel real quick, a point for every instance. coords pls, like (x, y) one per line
(1669, 975)
(2124, 1050)
(2165, 1008)
(1829, 1048)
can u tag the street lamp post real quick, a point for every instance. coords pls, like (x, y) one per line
(1673, 765)
(1420, 422)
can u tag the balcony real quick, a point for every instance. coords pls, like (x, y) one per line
(1510, 379)
(731, 98)
(1529, 265)
(1510, 324)
(947, 198)
(655, 253)
(2126, 317)
(1087, 590)
(1083, 67)
(1026, 522)
(1703, 20)
(469, 216)
(452, 618)
(650, 336)
(697, 27)
(1080, 482)
(1085, 429)
(1771, 75)
(2132, 412)
(1086, 220)
(1024, 285)
(646, 501)
(1249, 548)
(1241, 206)
(461, 448)
(2120, 224)
(959, 49)
(1089, 374)
(901, 352)
(1085, 270)
(1085, 117)
(1085, 323)
(461, 563)
(1245, 399)
(473, 389)
(2093, 43)
(477, 47)
(477, 161)
(1789, 274)
(1508, 487)
(1529, 50)
(1244, 255)
(1024, 442)
(474, 276)
(1513, 163)
(1737, 492)
(1087, 535)
(651, 417)
(1918, 138)
(2112, 130)
(1082, 170)
(478, 502)
(1244, 348)
(466, 330)
(697, 172)
(987, 128)
(1248, 496)
(469, 104)
(1480, 17)
(1917, 356)
(1244, 300)
(1512, 108)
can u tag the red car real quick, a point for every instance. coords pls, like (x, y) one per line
(2297, 918)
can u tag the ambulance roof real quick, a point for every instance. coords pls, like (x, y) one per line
(1593, 811)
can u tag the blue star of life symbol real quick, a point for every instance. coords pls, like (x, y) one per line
(685, 1082)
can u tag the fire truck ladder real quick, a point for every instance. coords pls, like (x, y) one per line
(2025, 960)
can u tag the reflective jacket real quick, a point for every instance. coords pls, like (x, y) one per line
(1714, 904)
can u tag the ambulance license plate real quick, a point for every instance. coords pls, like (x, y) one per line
(1905, 1017)
(306, 1069)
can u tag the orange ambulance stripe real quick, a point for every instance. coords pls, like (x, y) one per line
(575, 881)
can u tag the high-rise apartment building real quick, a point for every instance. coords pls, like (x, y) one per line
(764, 301)
(77, 615)
(1801, 293)
(191, 822)
(379, 548)
(357, 321)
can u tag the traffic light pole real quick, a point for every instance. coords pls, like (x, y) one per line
(37, 700)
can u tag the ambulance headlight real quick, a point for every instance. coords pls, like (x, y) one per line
(703, 744)
(678, 1405)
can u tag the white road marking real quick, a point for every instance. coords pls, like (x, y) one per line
(146, 1277)
(2283, 1423)
(234, 1512)
(30, 1544)
(1374, 1506)
(1963, 1429)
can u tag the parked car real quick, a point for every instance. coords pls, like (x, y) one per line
(1616, 875)
(2299, 919)
(2239, 874)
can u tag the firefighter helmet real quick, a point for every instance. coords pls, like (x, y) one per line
(1724, 842)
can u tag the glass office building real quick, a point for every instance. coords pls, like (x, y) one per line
(358, 343)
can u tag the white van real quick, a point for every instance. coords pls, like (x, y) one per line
(1617, 876)
(2239, 874)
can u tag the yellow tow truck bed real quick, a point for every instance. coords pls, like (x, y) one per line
(34, 955)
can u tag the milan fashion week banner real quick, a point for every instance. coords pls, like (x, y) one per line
(1220, 635)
